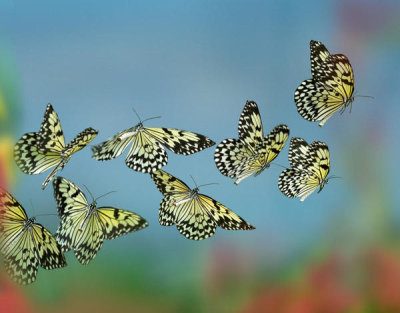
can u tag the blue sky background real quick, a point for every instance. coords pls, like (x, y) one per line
(196, 63)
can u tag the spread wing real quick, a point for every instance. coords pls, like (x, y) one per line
(169, 185)
(297, 183)
(180, 141)
(81, 140)
(117, 222)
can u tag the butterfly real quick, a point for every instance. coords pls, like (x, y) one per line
(196, 215)
(84, 226)
(37, 152)
(147, 153)
(329, 90)
(310, 166)
(252, 153)
(25, 244)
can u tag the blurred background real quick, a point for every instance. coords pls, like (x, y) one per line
(196, 63)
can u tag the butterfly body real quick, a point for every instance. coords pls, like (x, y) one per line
(329, 90)
(310, 166)
(36, 152)
(84, 226)
(195, 215)
(147, 153)
(24, 243)
(252, 153)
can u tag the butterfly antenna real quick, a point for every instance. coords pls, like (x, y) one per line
(89, 193)
(46, 214)
(277, 164)
(104, 195)
(194, 181)
(140, 120)
(333, 176)
(151, 118)
(208, 184)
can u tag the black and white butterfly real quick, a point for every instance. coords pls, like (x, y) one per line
(252, 153)
(147, 153)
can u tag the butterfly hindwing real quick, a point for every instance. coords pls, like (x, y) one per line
(146, 154)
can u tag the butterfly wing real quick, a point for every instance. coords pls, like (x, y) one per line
(180, 141)
(250, 126)
(117, 222)
(297, 183)
(275, 141)
(316, 102)
(318, 55)
(30, 159)
(193, 221)
(114, 146)
(336, 73)
(320, 161)
(169, 185)
(51, 137)
(298, 153)
(230, 155)
(146, 154)
(81, 140)
(72, 209)
(47, 249)
(88, 240)
(166, 213)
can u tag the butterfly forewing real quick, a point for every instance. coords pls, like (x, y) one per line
(250, 125)
(117, 222)
(180, 141)
(275, 141)
(168, 184)
(319, 156)
(81, 140)
(297, 183)
(318, 55)
(50, 136)
(298, 153)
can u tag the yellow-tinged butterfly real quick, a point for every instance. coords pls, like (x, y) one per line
(84, 226)
(25, 244)
(196, 215)
(310, 166)
(147, 153)
(252, 153)
(37, 152)
(331, 87)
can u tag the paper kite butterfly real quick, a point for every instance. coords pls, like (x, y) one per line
(37, 152)
(252, 153)
(25, 244)
(84, 226)
(147, 153)
(196, 215)
(310, 166)
(329, 90)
